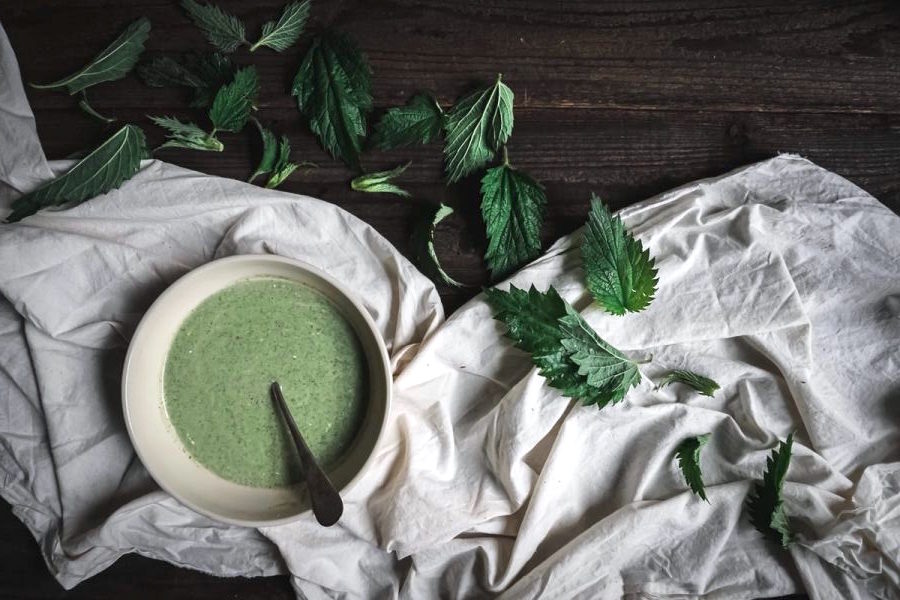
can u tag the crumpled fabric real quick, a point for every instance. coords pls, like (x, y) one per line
(779, 280)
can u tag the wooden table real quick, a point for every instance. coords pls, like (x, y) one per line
(626, 99)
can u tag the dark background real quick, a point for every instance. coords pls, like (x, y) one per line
(626, 99)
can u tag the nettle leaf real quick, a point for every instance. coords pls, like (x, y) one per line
(703, 385)
(512, 206)
(282, 35)
(606, 369)
(224, 31)
(476, 127)
(104, 169)
(283, 166)
(203, 74)
(568, 353)
(765, 504)
(269, 153)
(380, 182)
(113, 63)
(688, 454)
(618, 270)
(422, 242)
(333, 90)
(187, 135)
(532, 319)
(419, 121)
(231, 107)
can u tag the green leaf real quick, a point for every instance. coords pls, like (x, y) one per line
(104, 169)
(476, 127)
(231, 107)
(187, 135)
(283, 165)
(688, 454)
(380, 182)
(568, 353)
(766, 505)
(269, 153)
(202, 74)
(512, 206)
(224, 31)
(87, 108)
(282, 35)
(113, 63)
(605, 368)
(418, 122)
(618, 270)
(333, 90)
(703, 385)
(422, 242)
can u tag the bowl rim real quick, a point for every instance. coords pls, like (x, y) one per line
(185, 279)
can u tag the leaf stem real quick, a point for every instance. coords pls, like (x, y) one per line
(87, 108)
(505, 156)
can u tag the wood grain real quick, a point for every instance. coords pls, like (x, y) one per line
(625, 99)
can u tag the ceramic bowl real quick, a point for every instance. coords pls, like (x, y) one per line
(158, 444)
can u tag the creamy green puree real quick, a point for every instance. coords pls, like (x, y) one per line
(226, 354)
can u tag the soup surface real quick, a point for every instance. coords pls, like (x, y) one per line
(223, 360)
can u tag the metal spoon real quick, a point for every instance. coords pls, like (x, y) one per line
(326, 501)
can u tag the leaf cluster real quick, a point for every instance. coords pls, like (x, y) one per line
(230, 111)
(568, 353)
(227, 32)
(475, 129)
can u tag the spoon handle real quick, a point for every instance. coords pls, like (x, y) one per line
(326, 501)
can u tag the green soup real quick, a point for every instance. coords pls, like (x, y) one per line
(225, 356)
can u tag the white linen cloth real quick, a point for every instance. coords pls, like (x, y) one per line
(780, 280)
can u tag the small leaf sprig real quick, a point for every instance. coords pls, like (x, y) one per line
(702, 384)
(688, 455)
(229, 112)
(381, 182)
(284, 33)
(275, 160)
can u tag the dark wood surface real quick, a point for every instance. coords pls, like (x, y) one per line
(626, 99)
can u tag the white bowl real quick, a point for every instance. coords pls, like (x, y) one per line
(154, 438)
